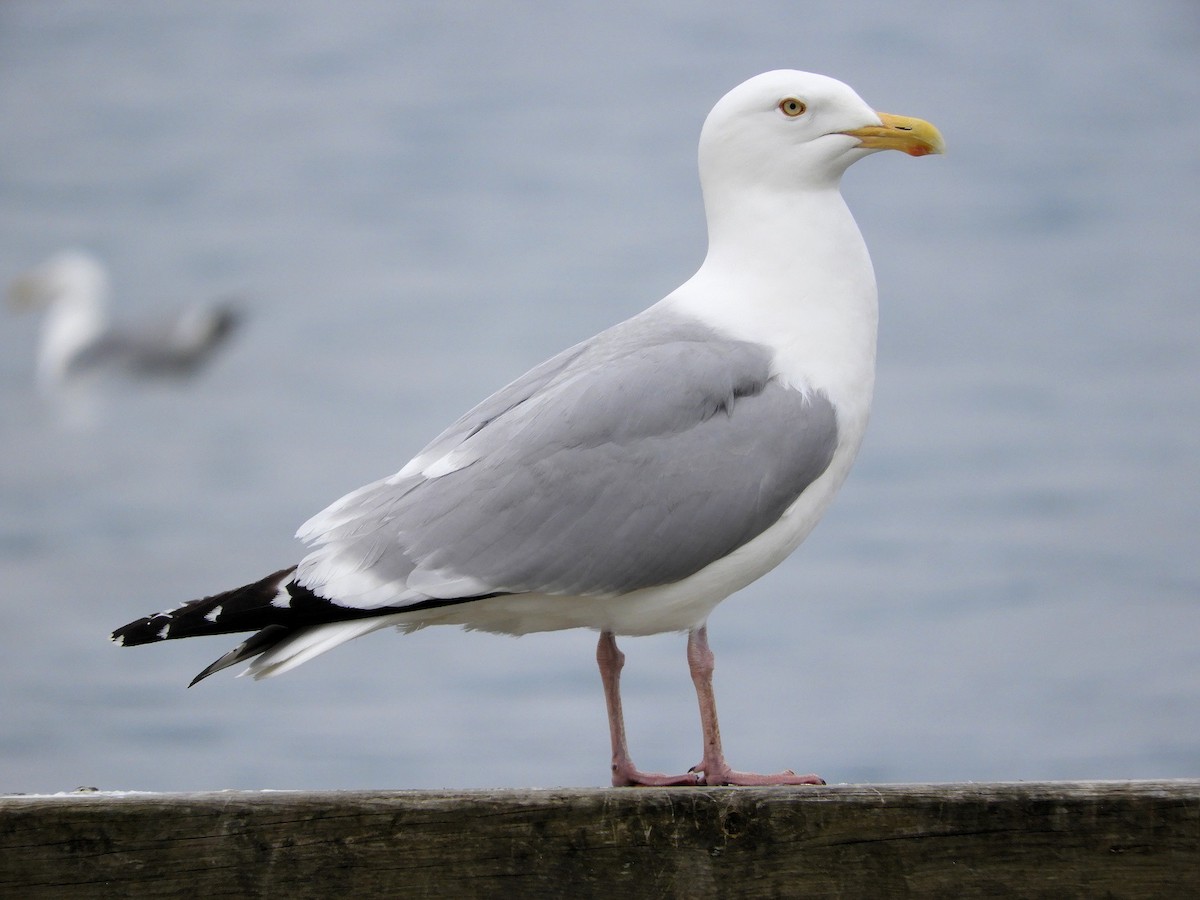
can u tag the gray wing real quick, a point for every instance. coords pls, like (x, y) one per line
(175, 347)
(633, 460)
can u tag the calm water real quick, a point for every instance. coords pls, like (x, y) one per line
(416, 205)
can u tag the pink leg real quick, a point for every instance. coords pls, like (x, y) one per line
(715, 769)
(624, 773)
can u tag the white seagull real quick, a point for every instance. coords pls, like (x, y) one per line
(77, 338)
(634, 481)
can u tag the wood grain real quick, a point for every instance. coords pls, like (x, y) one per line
(1086, 839)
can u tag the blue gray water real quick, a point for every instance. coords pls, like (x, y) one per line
(416, 202)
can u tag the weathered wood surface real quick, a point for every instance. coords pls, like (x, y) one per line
(1091, 839)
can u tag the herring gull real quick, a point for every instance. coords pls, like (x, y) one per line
(634, 481)
(77, 338)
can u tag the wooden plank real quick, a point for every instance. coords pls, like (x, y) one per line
(1088, 839)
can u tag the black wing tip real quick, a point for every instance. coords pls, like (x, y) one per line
(250, 605)
(227, 316)
(209, 670)
(146, 630)
(254, 645)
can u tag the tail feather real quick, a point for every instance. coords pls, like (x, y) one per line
(298, 647)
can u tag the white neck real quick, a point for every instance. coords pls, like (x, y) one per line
(74, 320)
(800, 256)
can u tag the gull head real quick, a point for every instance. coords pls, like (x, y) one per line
(71, 276)
(788, 129)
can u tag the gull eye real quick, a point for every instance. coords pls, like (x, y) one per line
(792, 107)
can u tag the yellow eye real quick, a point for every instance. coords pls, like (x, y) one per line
(792, 107)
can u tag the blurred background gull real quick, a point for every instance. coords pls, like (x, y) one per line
(424, 200)
(78, 339)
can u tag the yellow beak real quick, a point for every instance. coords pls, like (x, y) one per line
(23, 293)
(916, 137)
